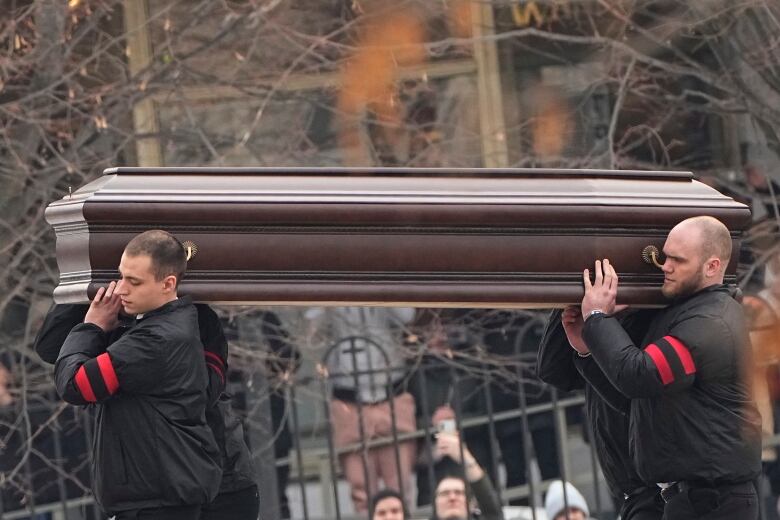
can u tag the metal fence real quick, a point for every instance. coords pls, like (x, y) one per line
(46, 453)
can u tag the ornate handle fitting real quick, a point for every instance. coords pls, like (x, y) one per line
(650, 256)
(191, 248)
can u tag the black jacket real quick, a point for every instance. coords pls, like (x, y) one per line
(559, 365)
(692, 416)
(152, 447)
(237, 467)
(58, 323)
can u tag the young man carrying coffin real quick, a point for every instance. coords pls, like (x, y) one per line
(154, 455)
(238, 494)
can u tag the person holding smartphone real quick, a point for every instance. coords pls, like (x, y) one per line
(465, 491)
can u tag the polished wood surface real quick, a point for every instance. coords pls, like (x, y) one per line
(427, 237)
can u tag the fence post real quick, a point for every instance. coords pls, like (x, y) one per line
(261, 439)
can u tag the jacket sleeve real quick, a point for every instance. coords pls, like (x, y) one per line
(592, 374)
(666, 365)
(487, 499)
(555, 361)
(80, 350)
(215, 351)
(89, 371)
(58, 323)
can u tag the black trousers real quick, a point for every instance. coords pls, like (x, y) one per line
(733, 502)
(239, 505)
(644, 504)
(161, 513)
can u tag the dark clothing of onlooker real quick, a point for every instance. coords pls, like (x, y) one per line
(283, 359)
(561, 366)
(445, 378)
(27, 450)
(152, 445)
(512, 342)
(487, 499)
(440, 381)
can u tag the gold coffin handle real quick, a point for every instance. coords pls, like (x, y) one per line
(650, 255)
(191, 248)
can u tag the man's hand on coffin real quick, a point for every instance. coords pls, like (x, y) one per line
(600, 296)
(572, 322)
(104, 309)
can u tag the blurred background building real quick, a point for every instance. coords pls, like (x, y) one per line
(91, 84)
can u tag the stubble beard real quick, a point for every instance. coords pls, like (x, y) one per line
(686, 288)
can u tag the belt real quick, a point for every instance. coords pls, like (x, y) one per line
(350, 395)
(676, 488)
(637, 491)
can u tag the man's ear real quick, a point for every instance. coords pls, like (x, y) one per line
(712, 267)
(169, 283)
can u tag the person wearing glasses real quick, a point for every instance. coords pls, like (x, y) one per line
(465, 491)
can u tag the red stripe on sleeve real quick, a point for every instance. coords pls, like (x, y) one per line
(82, 383)
(214, 357)
(658, 358)
(683, 353)
(217, 370)
(108, 373)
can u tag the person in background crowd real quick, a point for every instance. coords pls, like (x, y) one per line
(154, 454)
(264, 327)
(441, 382)
(465, 479)
(366, 365)
(572, 506)
(763, 312)
(388, 504)
(512, 339)
(687, 383)
(284, 360)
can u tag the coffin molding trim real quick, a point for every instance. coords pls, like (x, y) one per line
(386, 236)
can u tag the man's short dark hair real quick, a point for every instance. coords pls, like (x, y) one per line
(448, 468)
(383, 494)
(165, 250)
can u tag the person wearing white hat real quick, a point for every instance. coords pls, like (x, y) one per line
(572, 507)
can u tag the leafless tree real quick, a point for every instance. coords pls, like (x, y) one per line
(89, 84)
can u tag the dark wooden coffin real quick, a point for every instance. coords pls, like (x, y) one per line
(425, 237)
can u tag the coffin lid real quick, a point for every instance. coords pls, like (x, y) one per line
(385, 236)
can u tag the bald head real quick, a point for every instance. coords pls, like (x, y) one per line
(710, 236)
(697, 252)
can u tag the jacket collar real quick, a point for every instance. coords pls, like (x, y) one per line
(732, 290)
(181, 301)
